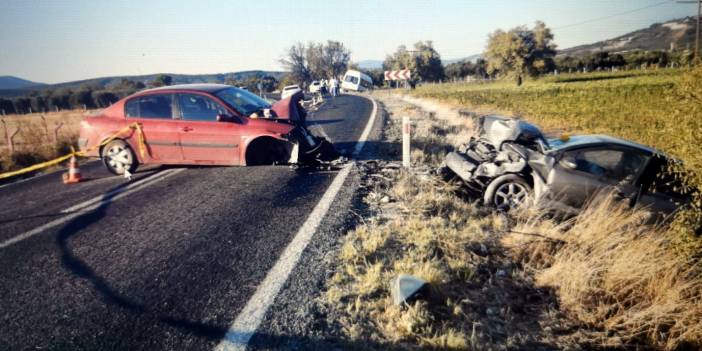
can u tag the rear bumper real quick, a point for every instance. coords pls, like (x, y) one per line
(83, 146)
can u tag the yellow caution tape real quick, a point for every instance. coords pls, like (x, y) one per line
(141, 143)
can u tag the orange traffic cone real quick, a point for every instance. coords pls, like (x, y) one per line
(73, 175)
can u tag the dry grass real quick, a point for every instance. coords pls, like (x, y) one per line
(36, 141)
(479, 299)
(523, 281)
(616, 275)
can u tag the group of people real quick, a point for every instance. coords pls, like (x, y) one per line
(331, 85)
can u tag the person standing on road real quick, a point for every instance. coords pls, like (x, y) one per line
(323, 89)
(334, 86)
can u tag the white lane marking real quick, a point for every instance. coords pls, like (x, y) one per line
(366, 132)
(103, 201)
(248, 320)
(111, 193)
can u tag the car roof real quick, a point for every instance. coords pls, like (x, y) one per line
(577, 141)
(204, 87)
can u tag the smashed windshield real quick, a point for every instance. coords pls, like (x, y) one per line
(242, 100)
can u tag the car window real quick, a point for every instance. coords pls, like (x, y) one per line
(242, 100)
(612, 164)
(194, 107)
(661, 179)
(352, 79)
(150, 106)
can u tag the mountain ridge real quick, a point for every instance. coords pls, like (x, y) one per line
(145, 78)
(674, 34)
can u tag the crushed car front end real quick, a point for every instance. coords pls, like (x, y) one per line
(502, 146)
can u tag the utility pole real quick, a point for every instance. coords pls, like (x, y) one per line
(697, 33)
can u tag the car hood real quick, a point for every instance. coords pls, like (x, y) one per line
(498, 129)
(269, 126)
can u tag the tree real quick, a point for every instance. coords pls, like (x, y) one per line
(462, 69)
(424, 61)
(82, 97)
(316, 61)
(336, 58)
(295, 61)
(6, 106)
(162, 80)
(521, 51)
(22, 104)
(104, 98)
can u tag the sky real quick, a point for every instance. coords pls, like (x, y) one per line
(58, 41)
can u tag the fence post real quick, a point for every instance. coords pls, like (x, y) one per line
(4, 127)
(406, 130)
(56, 132)
(46, 127)
(10, 137)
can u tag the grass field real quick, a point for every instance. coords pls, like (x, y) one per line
(36, 140)
(659, 107)
(600, 280)
(649, 107)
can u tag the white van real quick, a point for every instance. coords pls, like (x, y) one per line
(356, 81)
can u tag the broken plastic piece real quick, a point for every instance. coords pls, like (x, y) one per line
(406, 288)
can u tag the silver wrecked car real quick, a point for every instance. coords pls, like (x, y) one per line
(510, 163)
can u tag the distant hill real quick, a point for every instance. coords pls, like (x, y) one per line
(370, 64)
(378, 64)
(10, 82)
(471, 58)
(676, 34)
(109, 81)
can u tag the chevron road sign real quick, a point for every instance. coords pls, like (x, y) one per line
(403, 74)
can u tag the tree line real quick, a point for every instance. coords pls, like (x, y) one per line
(84, 97)
(94, 96)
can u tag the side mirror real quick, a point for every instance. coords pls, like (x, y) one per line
(568, 163)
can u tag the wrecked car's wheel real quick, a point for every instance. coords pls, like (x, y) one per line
(119, 157)
(508, 192)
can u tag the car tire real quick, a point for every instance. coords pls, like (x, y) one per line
(508, 192)
(118, 156)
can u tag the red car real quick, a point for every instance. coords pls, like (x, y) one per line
(206, 124)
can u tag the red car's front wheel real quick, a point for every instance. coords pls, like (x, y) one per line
(119, 157)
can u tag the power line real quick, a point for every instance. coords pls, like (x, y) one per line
(697, 31)
(614, 15)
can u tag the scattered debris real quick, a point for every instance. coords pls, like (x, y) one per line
(407, 288)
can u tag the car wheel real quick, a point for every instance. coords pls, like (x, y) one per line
(118, 157)
(508, 192)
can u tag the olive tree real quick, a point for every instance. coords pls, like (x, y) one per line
(521, 51)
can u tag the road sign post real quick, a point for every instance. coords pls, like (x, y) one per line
(398, 76)
(406, 133)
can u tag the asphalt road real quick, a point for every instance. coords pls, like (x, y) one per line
(164, 262)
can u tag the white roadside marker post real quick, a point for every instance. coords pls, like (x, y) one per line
(406, 130)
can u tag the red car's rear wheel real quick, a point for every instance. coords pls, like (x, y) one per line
(118, 157)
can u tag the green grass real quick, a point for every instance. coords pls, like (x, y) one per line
(661, 108)
(643, 106)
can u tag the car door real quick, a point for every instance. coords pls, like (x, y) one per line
(580, 174)
(154, 112)
(203, 138)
